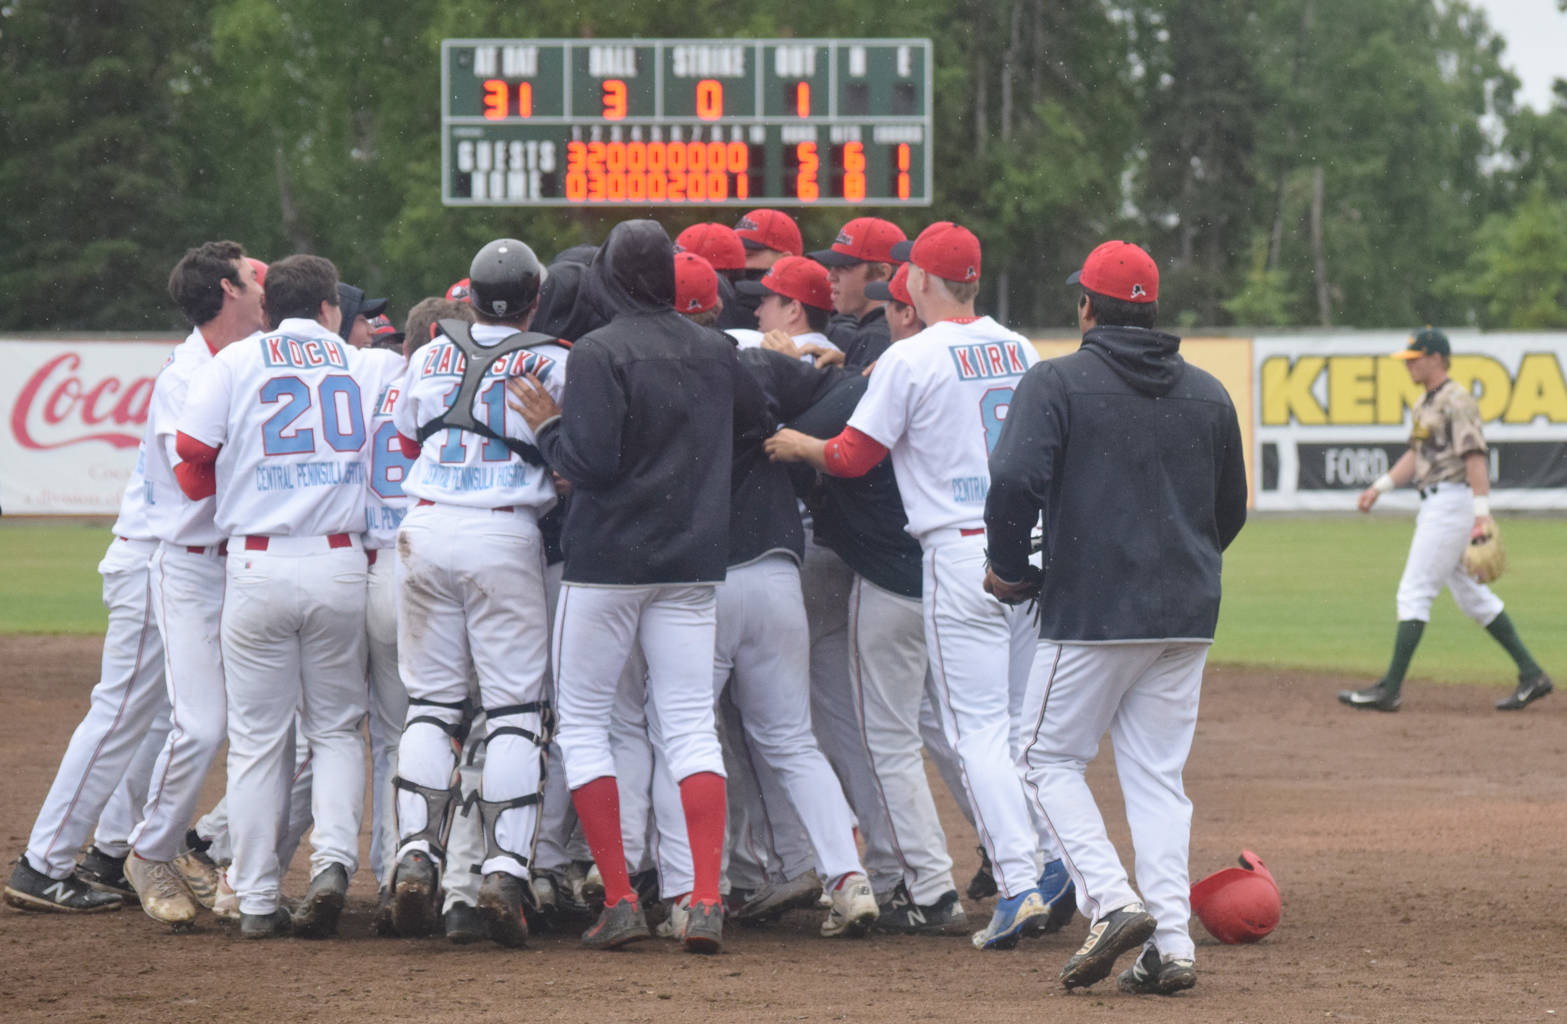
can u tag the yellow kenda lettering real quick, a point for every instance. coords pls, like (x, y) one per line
(1352, 389)
(1538, 391)
(1286, 391)
(1395, 391)
(1496, 384)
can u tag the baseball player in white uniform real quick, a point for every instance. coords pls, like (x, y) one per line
(279, 419)
(937, 402)
(128, 699)
(218, 290)
(471, 576)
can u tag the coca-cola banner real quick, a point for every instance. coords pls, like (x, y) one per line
(75, 411)
(1333, 414)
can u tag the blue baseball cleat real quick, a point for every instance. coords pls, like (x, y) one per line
(1011, 918)
(1060, 895)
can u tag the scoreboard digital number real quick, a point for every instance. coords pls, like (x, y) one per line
(686, 122)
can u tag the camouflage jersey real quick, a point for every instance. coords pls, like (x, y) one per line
(1446, 428)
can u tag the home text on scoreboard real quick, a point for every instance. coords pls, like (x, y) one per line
(686, 122)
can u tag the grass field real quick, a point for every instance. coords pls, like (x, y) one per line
(1310, 592)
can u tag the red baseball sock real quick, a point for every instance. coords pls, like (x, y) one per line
(598, 808)
(702, 796)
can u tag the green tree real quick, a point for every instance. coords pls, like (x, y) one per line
(1518, 273)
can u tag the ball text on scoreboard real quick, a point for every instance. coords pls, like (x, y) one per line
(684, 122)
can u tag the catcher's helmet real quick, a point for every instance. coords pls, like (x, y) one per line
(1238, 904)
(505, 279)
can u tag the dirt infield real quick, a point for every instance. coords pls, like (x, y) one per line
(1419, 856)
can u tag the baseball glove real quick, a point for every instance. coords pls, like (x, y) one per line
(1485, 559)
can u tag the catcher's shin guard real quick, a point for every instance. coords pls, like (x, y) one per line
(499, 723)
(452, 719)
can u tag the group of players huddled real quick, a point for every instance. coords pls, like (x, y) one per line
(610, 558)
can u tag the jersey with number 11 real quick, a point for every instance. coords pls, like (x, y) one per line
(937, 402)
(287, 413)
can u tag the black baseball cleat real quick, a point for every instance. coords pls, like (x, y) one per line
(983, 885)
(317, 915)
(106, 874)
(1372, 698)
(414, 893)
(28, 889)
(266, 926)
(1152, 975)
(500, 904)
(464, 925)
(1529, 690)
(1112, 935)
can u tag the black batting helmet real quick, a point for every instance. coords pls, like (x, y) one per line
(504, 279)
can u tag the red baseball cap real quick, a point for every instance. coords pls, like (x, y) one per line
(947, 250)
(897, 289)
(716, 243)
(261, 270)
(460, 291)
(770, 229)
(1119, 270)
(862, 240)
(793, 277)
(696, 285)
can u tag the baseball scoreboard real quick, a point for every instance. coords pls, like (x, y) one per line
(686, 122)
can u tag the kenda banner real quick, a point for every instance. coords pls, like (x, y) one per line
(1332, 413)
(75, 411)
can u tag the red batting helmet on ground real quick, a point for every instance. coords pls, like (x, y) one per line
(1238, 904)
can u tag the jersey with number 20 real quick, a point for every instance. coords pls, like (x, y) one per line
(936, 401)
(287, 414)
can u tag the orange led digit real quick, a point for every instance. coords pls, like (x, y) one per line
(802, 99)
(614, 99)
(524, 99)
(496, 97)
(854, 171)
(805, 186)
(709, 99)
(903, 170)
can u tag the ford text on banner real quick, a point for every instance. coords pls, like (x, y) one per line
(75, 412)
(1333, 414)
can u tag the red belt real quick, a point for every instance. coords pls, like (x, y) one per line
(422, 502)
(370, 554)
(333, 540)
(972, 533)
(223, 548)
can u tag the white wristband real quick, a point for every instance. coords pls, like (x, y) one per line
(1382, 484)
(1482, 505)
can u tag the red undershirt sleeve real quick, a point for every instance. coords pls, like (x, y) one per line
(853, 453)
(409, 446)
(197, 472)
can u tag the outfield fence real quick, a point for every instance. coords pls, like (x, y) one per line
(1324, 413)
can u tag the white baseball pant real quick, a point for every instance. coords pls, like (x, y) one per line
(293, 647)
(970, 639)
(826, 582)
(128, 698)
(463, 870)
(471, 585)
(123, 811)
(560, 842)
(388, 708)
(596, 629)
(1441, 533)
(187, 601)
(1145, 695)
(890, 677)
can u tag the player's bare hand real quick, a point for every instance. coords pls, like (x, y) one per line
(824, 357)
(1484, 526)
(1368, 497)
(1010, 593)
(868, 369)
(788, 446)
(780, 341)
(533, 402)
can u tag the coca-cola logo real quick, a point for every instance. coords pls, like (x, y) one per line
(56, 407)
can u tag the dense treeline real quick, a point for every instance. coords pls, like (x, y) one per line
(1332, 162)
